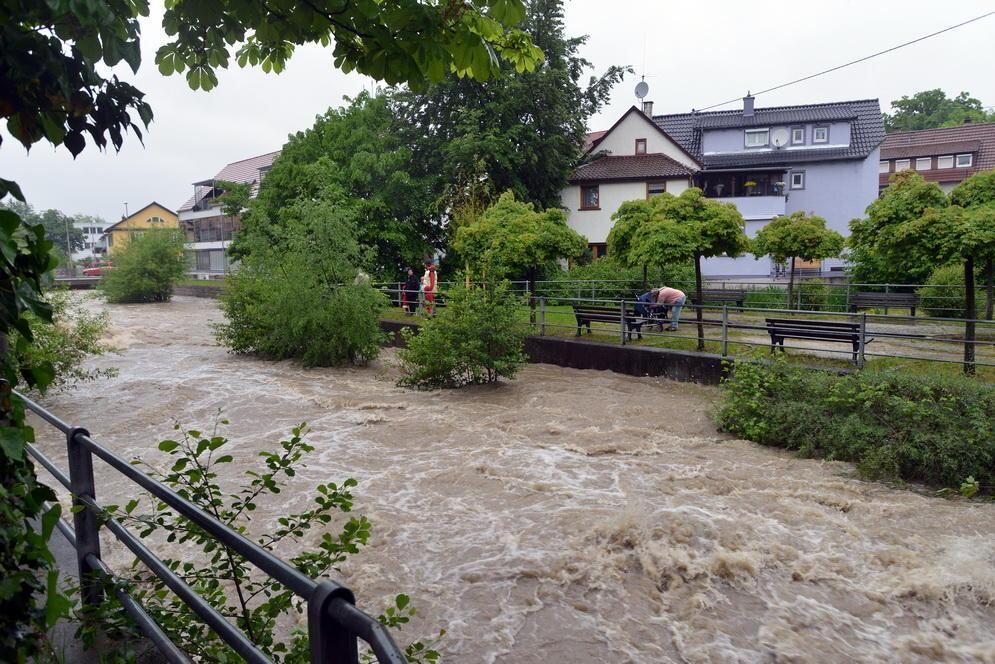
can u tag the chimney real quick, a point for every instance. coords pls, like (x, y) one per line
(748, 106)
(648, 108)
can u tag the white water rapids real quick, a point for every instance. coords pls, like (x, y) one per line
(569, 516)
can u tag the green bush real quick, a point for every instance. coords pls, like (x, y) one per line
(605, 278)
(302, 299)
(895, 425)
(814, 294)
(147, 268)
(769, 297)
(476, 338)
(944, 295)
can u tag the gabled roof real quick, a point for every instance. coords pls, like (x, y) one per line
(630, 167)
(976, 138)
(135, 214)
(864, 115)
(650, 122)
(591, 137)
(245, 171)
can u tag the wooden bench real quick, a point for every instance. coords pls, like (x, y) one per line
(780, 329)
(594, 313)
(719, 295)
(866, 300)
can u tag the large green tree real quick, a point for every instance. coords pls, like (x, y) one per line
(59, 227)
(798, 235)
(353, 154)
(57, 84)
(932, 108)
(522, 132)
(676, 229)
(907, 198)
(978, 193)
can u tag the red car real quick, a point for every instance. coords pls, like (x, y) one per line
(97, 270)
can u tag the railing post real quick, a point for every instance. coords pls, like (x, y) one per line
(330, 643)
(621, 322)
(862, 340)
(542, 316)
(85, 521)
(887, 289)
(725, 330)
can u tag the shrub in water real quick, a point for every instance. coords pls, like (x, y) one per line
(476, 338)
(302, 299)
(912, 426)
(147, 268)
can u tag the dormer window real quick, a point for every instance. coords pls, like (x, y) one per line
(965, 160)
(757, 138)
(797, 135)
(820, 134)
(640, 146)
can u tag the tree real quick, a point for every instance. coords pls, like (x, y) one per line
(353, 153)
(627, 222)
(978, 191)
(798, 235)
(512, 238)
(147, 268)
(932, 108)
(675, 229)
(907, 198)
(59, 227)
(523, 131)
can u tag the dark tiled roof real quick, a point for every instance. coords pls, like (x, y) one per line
(937, 142)
(866, 131)
(593, 136)
(244, 171)
(630, 167)
(780, 116)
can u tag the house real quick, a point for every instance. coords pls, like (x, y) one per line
(818, 158)
(94, 240)
(151, 216)
(946, 156)
(210, 232)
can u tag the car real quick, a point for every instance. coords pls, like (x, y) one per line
(98, 269)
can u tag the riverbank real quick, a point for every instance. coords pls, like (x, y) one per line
(569, 515)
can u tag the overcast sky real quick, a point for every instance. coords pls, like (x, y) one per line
(693, 54)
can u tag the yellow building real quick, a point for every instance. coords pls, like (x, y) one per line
(152, 215)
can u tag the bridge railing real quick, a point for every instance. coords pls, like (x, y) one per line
(334, 622)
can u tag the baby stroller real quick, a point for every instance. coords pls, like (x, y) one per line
(650, 313)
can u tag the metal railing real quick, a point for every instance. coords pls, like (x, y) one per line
(725, 327)
(334, 622)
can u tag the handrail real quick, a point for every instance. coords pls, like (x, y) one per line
(337, 614)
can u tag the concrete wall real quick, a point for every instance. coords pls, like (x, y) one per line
(715, 141)
(622, 140)
(596, 224)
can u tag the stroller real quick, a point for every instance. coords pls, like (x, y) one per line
(650, 313)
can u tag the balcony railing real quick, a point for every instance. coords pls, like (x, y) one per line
(757, 207)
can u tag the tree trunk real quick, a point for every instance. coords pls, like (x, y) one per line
(791, 283)
(697, 289)
(989, 287)
(970, 314)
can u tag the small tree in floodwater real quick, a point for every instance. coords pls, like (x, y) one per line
(670, 229)
(798, 235)
(258, 604)
(476, 338)
(147, 268)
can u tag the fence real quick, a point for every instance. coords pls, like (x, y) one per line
(729, 328)
(334, 622)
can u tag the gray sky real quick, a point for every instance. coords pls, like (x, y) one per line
(693, 54)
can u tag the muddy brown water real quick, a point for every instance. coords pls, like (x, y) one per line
(569, 516)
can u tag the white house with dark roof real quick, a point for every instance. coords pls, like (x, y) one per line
(817, 158)
(209, 232)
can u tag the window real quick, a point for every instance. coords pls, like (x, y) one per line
(945, 162)
(589, 199)
(820, 135)
(155, 221)
(598, 249)
(655, 189)
(965, 160)
(924, 163)
(884, 166)
(797, 179)
(640, 146)
(902, 164)
(757, 138)
(797, 135)
(110, 240)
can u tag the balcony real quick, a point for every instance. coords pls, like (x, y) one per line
(757, 207)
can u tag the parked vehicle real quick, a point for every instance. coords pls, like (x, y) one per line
(98, 269)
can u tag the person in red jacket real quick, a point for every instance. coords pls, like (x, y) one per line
(429, 286)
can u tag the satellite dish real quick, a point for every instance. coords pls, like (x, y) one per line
(642, 89)
(779, 137)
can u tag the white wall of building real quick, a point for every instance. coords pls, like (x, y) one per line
(622, 140)
(94, 243)
(596, 224)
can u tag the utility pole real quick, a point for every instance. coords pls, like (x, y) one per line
(69, 250)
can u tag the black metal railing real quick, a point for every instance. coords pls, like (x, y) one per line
(334, 622)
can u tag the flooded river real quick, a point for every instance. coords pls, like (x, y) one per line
(573, 516)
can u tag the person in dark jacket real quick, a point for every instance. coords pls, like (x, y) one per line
(409, 296)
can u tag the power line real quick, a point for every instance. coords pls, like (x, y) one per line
(863, 59)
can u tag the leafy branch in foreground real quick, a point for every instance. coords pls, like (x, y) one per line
(261, 607)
